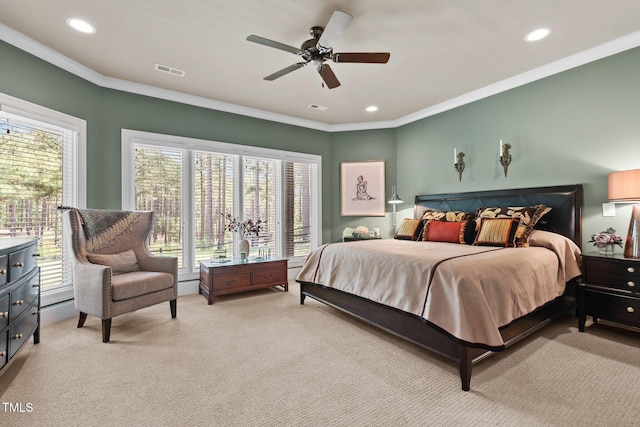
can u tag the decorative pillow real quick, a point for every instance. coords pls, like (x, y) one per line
(450, 216)
(497, 232)
(528, 216)
(123, 262)
(444, 231)
(409, 229)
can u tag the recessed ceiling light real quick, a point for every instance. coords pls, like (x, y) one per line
(81, 25)
(372, 108)
(538, 34)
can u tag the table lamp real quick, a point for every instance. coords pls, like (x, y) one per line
(624, 186)
(393, 202)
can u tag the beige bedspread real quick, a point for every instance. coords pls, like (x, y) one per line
(469, 291)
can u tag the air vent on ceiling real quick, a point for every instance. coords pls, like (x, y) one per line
(169, 70)
(317, 107)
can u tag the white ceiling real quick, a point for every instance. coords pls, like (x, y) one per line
(444, 53)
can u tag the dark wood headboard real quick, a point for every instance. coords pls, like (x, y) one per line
(565, 202)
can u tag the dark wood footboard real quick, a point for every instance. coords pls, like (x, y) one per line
(419, 331)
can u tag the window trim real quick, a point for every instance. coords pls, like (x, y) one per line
(31, 111)
(132, 137)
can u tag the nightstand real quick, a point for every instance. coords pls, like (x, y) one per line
(610, 289)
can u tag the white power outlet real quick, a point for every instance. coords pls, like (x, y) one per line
(608, 209)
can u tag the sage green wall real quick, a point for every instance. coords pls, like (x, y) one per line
(108, 111)
(357, 146)
(573, 127)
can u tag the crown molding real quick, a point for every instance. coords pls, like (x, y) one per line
(45, 53)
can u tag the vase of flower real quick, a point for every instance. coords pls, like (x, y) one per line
(606, 241)
(244, 248)
(244, 229)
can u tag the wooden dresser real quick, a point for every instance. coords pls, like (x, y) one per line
(220, 278)
(19, 295)
(610, 289)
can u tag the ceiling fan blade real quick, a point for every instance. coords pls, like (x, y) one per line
(362, 57)
(271, 43)
(336, 25)
(328, 76)
(284, 71)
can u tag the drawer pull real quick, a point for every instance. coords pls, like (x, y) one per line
(631, 270)
(37, 285)
(36, 312)
(36, 255)
(268, 276)
(18, 264)
(231, 281)
(3, 272)
(17, 336)
(631, 284)
(3, 353)
(4, 314)
(630, 310)
(19, 302)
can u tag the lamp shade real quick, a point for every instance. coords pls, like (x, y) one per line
(624, 186)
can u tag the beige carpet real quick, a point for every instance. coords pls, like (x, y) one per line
(261, 359)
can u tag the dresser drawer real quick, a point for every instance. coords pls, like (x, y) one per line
(229, 281)
(22, 262)
(4, 273)
(274, 276)
(614, 273)
(4, 347)
(21, 331)
(614, 307)
(22, 296)
(4, 311)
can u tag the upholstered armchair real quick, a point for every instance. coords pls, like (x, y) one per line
(113, 271)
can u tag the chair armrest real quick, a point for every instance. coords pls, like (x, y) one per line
(164, 264)
(92, 288)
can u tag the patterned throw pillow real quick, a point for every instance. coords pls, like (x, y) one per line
(497, 232)
(450, 216)
(444, 231)
(409, 229)
(528, 216)
(123, 262)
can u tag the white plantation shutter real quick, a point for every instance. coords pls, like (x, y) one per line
(260, 196)
(300, 211)
(159, 183)
(213, 181)
(279, 187)
(38, 173)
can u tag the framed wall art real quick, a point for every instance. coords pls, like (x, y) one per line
(362, 188)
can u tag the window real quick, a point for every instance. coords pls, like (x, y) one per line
(41, 168)
(191, 184)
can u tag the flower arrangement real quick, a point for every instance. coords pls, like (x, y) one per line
(243, 228)
(605, 238)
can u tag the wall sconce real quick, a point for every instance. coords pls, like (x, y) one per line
(395, 200)
(458, 162)
(505, 157)
(624, 186)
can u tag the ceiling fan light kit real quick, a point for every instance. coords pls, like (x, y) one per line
(318, 49)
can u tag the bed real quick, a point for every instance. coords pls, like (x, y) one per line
(439, 318)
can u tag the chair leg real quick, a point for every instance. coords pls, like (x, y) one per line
(173, 304)
(82, 319)
(106, 330)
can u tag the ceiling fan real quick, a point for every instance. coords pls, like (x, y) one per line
(319, 49)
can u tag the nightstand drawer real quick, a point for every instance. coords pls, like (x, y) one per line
(617, 273)
(613, 307)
